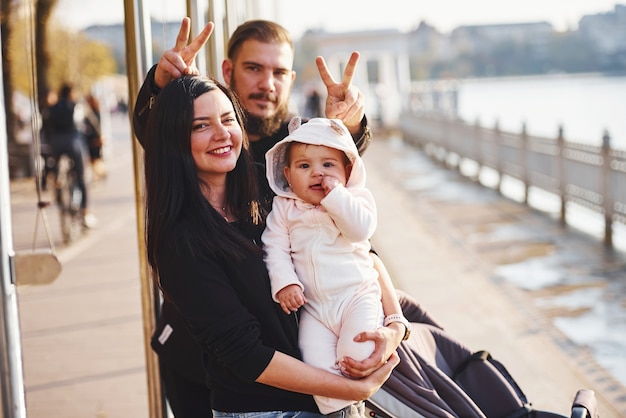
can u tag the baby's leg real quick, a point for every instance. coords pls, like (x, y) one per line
(365, 313)
(318, 345)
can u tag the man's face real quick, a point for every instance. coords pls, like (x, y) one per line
(261, 74)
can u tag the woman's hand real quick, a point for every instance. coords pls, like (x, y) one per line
(370, 385)
(386, 340)
(288, 373)
(179, 60)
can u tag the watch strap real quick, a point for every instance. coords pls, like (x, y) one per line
(389, 319)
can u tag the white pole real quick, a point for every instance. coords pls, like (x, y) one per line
(11, 372)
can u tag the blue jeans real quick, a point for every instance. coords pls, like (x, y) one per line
(267, 414)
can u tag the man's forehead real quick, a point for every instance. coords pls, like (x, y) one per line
(273, 54)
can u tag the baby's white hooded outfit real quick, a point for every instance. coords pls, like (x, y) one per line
(325, 249)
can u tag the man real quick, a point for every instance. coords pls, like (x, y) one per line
(259, 68)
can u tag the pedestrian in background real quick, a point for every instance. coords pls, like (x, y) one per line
(312, 104)
(92, 132)
(64, 137)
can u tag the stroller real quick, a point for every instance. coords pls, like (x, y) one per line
(440, 377)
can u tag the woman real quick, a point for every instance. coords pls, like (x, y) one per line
(205, 215)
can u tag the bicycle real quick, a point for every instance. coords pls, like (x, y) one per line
(68, 199)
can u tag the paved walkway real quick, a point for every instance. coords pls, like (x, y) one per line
(82, 335)
(83, 339)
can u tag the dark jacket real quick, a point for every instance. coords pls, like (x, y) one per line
(230, 313)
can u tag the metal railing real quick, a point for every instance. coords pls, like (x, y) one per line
(590, 176)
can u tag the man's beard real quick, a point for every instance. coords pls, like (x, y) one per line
(263, 127)
(260, 126)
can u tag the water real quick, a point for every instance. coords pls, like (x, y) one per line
(585, 105)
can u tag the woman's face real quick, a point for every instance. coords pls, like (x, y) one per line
(216, 136)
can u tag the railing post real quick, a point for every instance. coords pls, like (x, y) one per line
(560, 140)
(524, 162)
(498, 150)
(477, 145)
(444, 149)
(607, 190)
(484, 148)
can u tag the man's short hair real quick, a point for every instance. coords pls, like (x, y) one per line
(261, 30)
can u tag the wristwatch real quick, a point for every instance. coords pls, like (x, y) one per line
(363, 141)
(401, 319)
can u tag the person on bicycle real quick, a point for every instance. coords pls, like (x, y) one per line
(64, 137)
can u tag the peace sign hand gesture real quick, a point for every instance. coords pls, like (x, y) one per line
(344, 101)
(179, 60)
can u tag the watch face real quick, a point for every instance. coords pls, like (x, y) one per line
(407, 333)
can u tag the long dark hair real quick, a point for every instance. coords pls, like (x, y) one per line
(176, 210)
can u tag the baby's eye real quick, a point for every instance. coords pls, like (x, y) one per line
(329, 165)
(303, 165)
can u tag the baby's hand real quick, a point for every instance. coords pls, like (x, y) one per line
(329, 183)
(291, 298)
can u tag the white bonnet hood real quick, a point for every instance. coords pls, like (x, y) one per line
(317, 131)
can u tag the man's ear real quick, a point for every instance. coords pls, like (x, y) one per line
(227, 70)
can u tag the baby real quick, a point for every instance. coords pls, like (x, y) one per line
(317, 244)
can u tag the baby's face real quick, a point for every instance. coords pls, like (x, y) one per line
(309, 164)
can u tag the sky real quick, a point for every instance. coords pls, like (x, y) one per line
(351, 15)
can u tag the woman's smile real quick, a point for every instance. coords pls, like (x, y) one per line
(222, 150)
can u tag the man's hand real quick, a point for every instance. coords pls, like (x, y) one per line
(378, 378)
(291, 298)
(344, 101)
(179, 60)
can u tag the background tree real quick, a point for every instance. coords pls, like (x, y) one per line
(83, 64)
(5, 32)
(43, 11)
(30, 37)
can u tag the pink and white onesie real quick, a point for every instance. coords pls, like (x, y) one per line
(325, 249)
